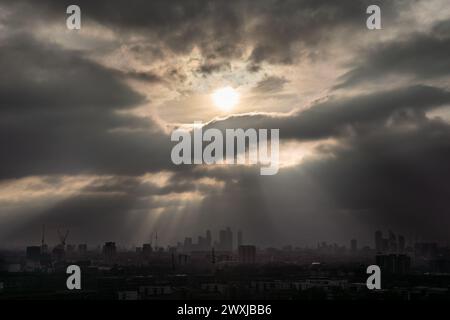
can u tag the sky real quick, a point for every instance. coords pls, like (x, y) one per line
(86, 117)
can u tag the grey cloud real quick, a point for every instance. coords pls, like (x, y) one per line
(38, 76)
(270, 84)
(148, 77)
(273, 29)
(59, 115)
(209, 68)
(422, 56)
(336, 117)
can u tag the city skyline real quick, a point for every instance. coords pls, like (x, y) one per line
(225, 238)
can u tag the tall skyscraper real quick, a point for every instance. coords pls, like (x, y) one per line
(229, 239)
(33, 253)
(247, 254)
(109, 250)
(187, 244)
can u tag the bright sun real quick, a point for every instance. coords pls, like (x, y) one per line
(225, 98)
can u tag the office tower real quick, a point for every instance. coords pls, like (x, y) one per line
(201, 244)
(147, 249)
(229, 240)
(394, 263)
(247, 254)
(187, 244)
(239, 238)
(353, 245)
(378, 241)
(401, 244)
(109, 250)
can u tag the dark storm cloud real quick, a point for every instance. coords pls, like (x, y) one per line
(37, 76)
(148, 77)
(421, 55)
(209, 68)
(270, 85)
(59, 112)
(273, 29)
(337, 117)
(393, 177)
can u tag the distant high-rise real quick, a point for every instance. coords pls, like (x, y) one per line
(247, 254)
(225, 240)
(147, 249)
(229, 240)
(378, 241)
(394, 263)
(33, 253)
(109, 250)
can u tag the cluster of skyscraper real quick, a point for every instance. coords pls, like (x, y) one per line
(392, 244)
(205, 243)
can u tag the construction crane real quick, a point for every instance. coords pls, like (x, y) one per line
(43, 245)
(63, 237)
(59, 252)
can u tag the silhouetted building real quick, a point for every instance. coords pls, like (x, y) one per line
(59, 252)
(147, 249)
(394, 263)
(225, 240)
(229, 240)
(34, 253)
(187, 244)
(247, 254)
(109, 251)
